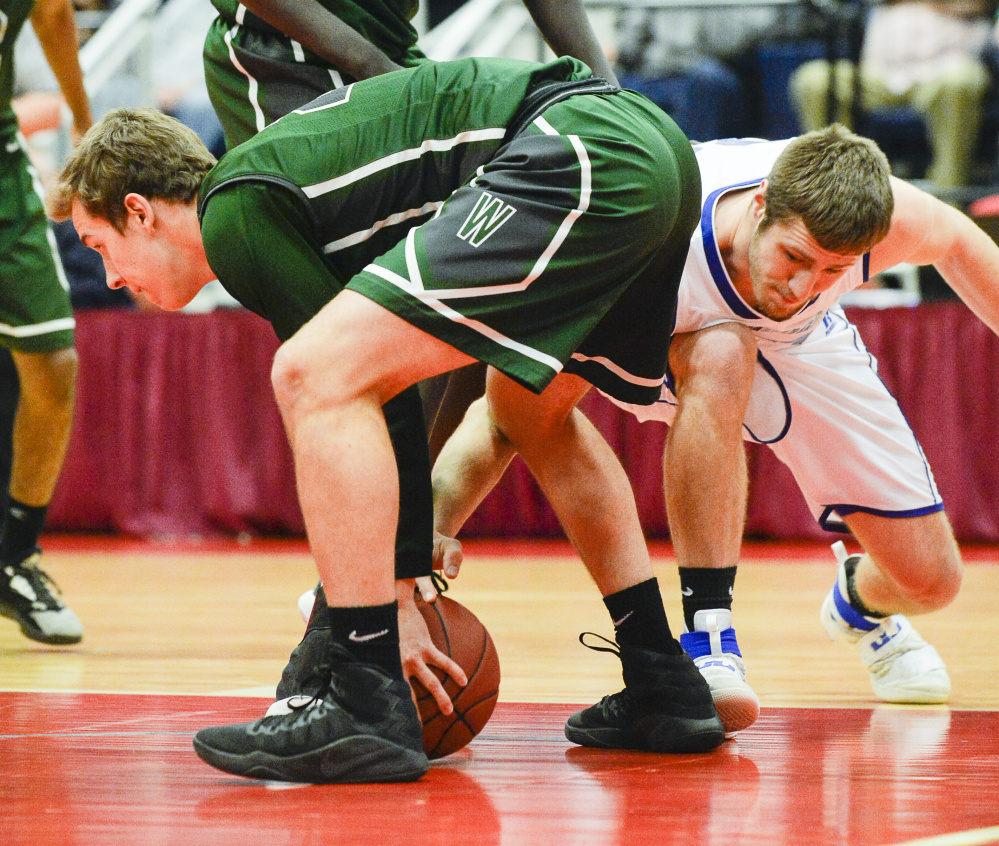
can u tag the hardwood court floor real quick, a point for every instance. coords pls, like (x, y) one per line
(95, 740)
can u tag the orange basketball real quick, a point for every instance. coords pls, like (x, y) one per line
(459, 634)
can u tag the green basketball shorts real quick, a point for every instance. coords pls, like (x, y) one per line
(35, 313)
(563, 253)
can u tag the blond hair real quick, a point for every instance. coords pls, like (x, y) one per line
(838, 183)
(140, 151)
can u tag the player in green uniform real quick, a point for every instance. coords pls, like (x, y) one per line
(36, 325)
(264, 58)
(524, 215)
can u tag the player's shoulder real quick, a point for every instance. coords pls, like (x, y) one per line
(738, 153)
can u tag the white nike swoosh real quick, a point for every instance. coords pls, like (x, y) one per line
(354, 636)
(687, 591)
(625, 617)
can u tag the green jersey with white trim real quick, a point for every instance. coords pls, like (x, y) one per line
(363, 164)
(385, 23)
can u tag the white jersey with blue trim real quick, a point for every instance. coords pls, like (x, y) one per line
(816, 400)
(707, 296)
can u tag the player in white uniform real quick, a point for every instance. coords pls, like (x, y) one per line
(762, 352)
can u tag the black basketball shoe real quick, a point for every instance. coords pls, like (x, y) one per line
(299, 677)
(665, 707)
(29, 596)
(365, 728)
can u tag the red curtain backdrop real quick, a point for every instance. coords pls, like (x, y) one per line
(177, 433)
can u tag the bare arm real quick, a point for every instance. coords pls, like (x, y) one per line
(468, 467)
(925, 230)
(55, 26)
(567, 29)
(324, 34)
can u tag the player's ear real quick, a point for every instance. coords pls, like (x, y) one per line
(139, 209)
(760, 200)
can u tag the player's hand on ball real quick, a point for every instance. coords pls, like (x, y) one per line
(418, 651)
(447, 555)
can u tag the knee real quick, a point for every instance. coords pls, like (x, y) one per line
(714, 370)
(940, 587)
(296, 381)
(48, 379)
(945, 588)
(64, 365)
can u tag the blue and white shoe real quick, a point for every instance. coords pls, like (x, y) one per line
(716, 654)
(903, 667)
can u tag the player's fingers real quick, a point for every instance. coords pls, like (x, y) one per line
(441, 661)
(425, 585)
(448, 555)
(425, 676)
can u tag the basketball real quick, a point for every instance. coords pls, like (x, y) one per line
(459, 634)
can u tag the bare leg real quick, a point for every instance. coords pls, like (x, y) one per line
(579, 473)
(469, 465)
(705, 460)
(910, 566)
(331, 380)
(42, 424)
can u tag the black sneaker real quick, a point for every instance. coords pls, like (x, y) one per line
(29, 596)
(299, 677)
(665, 707)
(364, 729)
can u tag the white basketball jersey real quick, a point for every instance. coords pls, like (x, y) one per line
(706, 295)
(816, 399)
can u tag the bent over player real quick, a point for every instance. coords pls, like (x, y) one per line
(763, 352)
(528, 216)
(265, 58)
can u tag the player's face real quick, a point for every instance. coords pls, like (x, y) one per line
(139, 259)
(788, 268)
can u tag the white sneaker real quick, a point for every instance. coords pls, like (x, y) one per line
(903, 667)
(715, 651)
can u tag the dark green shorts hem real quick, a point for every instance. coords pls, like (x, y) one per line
(533, 375)
(49, 342)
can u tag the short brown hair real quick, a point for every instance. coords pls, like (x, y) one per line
(130, 150)
(838, 183)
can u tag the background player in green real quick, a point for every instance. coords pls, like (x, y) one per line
(472, 210)
(36, 325)
(264, 58)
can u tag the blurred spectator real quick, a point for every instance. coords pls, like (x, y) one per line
(177, 71)
(697, 63)
(926, 54)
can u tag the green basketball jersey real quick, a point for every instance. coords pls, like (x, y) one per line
(13, 14)
(365, 163)
(385, 23)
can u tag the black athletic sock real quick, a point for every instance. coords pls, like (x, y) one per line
(704, 588)
(850, 567)
(21, 528)
(370, 633)
(640, 618)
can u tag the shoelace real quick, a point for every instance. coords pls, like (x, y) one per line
(46, 590)
(322, 676)
(619, 706)
(612, 648)
(440, 585)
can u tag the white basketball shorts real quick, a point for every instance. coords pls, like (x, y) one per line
(823, 410)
